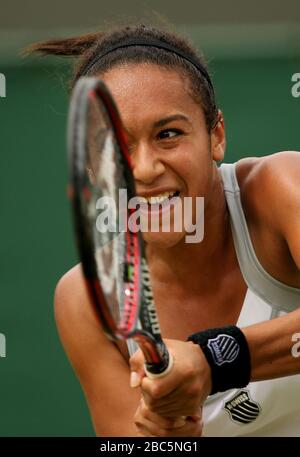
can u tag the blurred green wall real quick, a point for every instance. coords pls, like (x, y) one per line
(39, 394)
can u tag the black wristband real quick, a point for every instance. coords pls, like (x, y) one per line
(227, 352)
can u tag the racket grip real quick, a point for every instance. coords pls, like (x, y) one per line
(163, 373)
(167, 370)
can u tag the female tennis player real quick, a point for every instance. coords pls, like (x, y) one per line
(229, 306)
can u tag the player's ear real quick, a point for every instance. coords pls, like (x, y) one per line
(218, 140)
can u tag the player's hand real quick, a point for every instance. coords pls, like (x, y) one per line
(152, 424)
(183, 390)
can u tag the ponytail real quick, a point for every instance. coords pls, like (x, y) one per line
(74, 46)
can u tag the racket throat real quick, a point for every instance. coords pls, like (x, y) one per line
(156, 356)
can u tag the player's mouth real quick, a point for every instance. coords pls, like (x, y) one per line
(158, 203)
(161, 198)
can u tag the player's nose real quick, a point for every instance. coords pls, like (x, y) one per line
(146, 164)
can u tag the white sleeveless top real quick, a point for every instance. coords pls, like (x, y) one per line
(264, 408)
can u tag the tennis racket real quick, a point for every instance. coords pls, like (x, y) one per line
(112, 256)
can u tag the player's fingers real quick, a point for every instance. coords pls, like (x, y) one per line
(136, 363)
(181, 401)
(163, 407)
(189, 428)
(148, 428)
(144, 431)
(173, 402)
(175, 406)
(176, 410)
(145, 426)
(143, 413)
(158, 388)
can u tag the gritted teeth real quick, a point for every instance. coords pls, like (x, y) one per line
(160, 198)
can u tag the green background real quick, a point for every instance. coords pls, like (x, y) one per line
(39, 394)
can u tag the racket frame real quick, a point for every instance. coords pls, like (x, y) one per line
(157, 359)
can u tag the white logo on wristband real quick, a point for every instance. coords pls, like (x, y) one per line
(224, 349)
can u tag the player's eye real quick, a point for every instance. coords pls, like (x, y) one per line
(169, 134)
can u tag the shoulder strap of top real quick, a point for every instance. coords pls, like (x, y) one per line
(279, 295)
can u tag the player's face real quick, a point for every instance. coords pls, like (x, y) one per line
(172, 152)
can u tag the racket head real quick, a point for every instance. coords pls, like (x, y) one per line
(112, 256)
(97, 171)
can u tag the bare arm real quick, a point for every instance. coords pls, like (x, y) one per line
(271, 342)
(116, 409)
(99, 365)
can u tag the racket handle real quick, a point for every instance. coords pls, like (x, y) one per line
(161, 374)
(164, 373)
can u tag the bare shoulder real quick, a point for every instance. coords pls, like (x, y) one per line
(270, 185)
(71, 300)
(270, 195)
(273, 166)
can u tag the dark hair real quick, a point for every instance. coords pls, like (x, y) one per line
(89, 46)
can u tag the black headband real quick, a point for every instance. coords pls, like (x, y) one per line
(156, 44)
